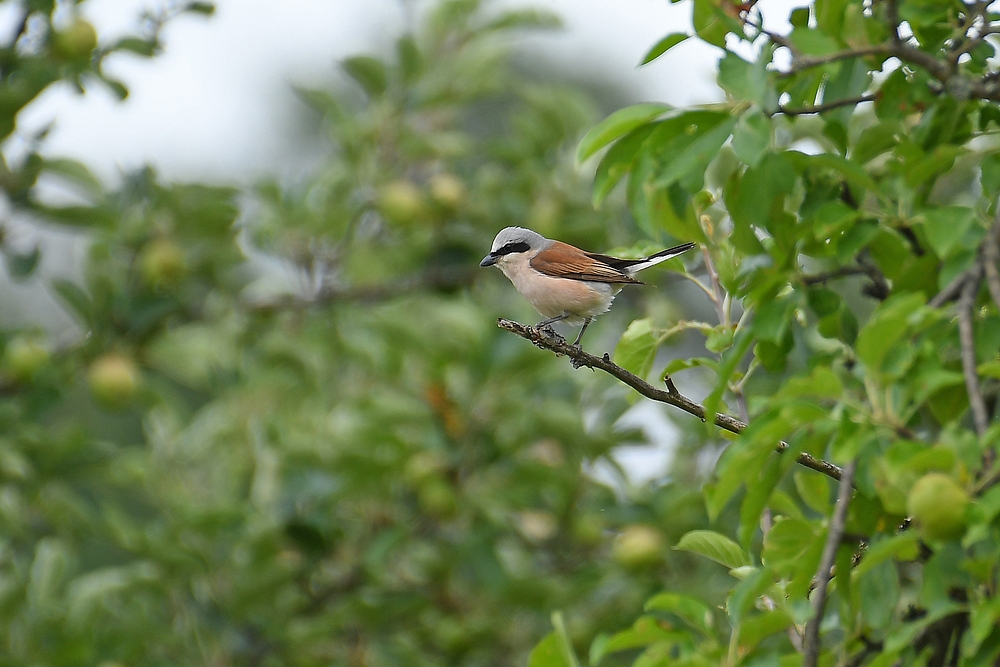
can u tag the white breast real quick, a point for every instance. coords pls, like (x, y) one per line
(552, 297)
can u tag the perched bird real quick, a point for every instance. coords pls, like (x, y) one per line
(561, 281)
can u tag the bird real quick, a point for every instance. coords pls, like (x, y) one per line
(563, 282)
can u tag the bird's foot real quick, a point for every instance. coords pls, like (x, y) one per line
(549, 332)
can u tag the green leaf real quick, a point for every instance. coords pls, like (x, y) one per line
(693, 611)
(616, 125)
(714, 546)
(744, 597)
(813, 42)
(636, 349)
(886, 328)
(814, 490)
(710, 23)
(757, 628)
(664, 45)
(786, 543)
(752, 137)
(879, 591)
(748, 82)
(370, 73)
(565, 643)
(411, 62)
(206, 8)
(697, 154)
(645, 631)
(143, 47)
(618, 161)
(852, 172)
(21, 265)
(525, 18)
(904, 547)
(75, 172)
(78, 301)
(944, 227)
(772, 319)
(547, 653)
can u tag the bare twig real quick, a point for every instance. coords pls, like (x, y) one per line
(809, 62)
(980, 417)
(713, 276)
(554, 343)
(954, 288)
(826, 106)
(441, 279)
(810, 645)
(842, 272)
(991, 257)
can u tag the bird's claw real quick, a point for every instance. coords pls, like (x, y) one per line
(547, 330)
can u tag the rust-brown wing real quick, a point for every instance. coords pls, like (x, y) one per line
(561, 260)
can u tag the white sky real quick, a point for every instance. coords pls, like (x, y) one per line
(217, 103)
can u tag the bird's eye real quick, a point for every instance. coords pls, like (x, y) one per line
(518, 246)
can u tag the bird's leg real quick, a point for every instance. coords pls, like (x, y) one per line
(545, 323)
(586, 323)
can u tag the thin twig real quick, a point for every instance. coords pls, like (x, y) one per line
(991, 257)
(826, 106)
(442, 279)
(953, 290)
(809, 62)
(713, 276)
(554, 343)
(842, 272)
(980, 417)
(810, 646)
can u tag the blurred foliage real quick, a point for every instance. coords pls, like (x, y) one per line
(846, 195)
(288, 432)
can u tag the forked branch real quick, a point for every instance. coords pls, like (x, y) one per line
(551, 341)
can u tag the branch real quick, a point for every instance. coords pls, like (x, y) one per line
(953, 290)
(826, 276)
(878, 289)
(809, 62)
(546, 339)
(826, 106)
(991, 257)
(810, 646)
(980, 417)
(441, 279)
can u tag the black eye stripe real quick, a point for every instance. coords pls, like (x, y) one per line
(519, 246)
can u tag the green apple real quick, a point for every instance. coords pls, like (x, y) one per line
(937, 503)
(447, 190)
(114, 380)
(400, 201)
(162, 263)
(24, 357)
(75, 42)
(638, 547)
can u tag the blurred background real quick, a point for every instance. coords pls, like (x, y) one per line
(254, 409)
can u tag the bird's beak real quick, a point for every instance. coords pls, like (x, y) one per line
(489, 260)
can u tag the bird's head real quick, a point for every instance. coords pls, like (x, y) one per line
(511, 241)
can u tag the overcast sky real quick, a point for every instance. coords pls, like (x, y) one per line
(217, 103)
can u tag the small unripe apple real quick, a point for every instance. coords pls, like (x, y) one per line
(938, 504)
(437, 498)
(424, 466)
(400, 201)
(447, 190)
(75, 42)
(638, 547)
(162, 263)
(588, 529)
(114, 379)
(24, 357)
